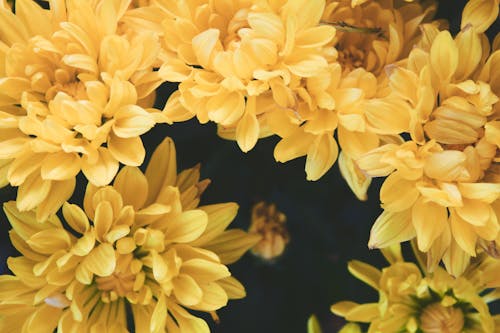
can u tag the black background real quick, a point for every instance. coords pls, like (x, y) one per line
(327, 224)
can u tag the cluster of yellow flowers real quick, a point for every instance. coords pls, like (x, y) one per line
(382, 80)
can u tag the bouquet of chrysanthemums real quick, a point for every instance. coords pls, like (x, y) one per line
(382, 87)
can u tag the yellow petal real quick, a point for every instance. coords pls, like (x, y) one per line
(232, 244)
(226, 109)
(313, 325)
(162, 169)
(474, 212)
(398, 194)
(186, 290)
(470, 52)
(49, 241)
(131, 183)
(204, 270)
(463, 233)
(429, 220)
(75, 217)
(364, 272)
(101, 260)
(187, 226)
(444, 56)
(60, 166)
(219, 217)
(101, 172)
(247, 131)
(32, 192)
(129, 151)
(358, 181)
(321, 156)
(293, 146)
(391, 228)
(132, 121)
(103, 219)
(233, 288)
(480, 14)
(204, 44)
(159, 316)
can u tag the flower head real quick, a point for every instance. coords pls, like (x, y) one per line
(410, 301)
(234, 57)
(442, 185)
(75, 94)
(141, 243)
(268, 222)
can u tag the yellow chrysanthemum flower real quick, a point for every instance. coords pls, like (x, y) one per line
(230, 55)
(351, 98)
(72, 83)
(443, 185)
(149, 248)
(410, 301)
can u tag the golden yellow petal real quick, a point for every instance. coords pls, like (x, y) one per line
(321, 156)
(444, 56)
(429, 220)
(358, 181)
(398, 194)
(469, 53)
(129, 151)
(186, 290)
(226, 109)
(233, 288)
(219, 217)
(391, 228)
(103, 219)
(132, 121)
(131, 183)
(364, 272)
(293, 146)
(75, 217)
(455, 259)
(204, 270)
(463, 233)
(480, 14)
(162, 169)
(101, 260)
(49, 241)
(232, 244)
(247, 131)
(32, 192)
(158, 316)
(60, 166)
(204, 44)
(474, 212)
(187, 226)
(22, 167)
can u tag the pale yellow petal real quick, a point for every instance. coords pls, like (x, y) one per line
(131, 183)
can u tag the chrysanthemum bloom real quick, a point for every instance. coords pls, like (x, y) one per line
(71, 88)
(443, 185)
(141, 244)
(270, 223)
(351, 97)
(411, 300)
(229, 54)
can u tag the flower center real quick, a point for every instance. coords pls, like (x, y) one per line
(351, 58)
(119, 283)
(437, 318)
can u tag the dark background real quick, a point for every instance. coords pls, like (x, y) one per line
(327, 224)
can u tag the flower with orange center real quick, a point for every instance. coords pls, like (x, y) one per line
(72, 92)
(413, 300)
(442, 186)
(141, 243)
(226, 54)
